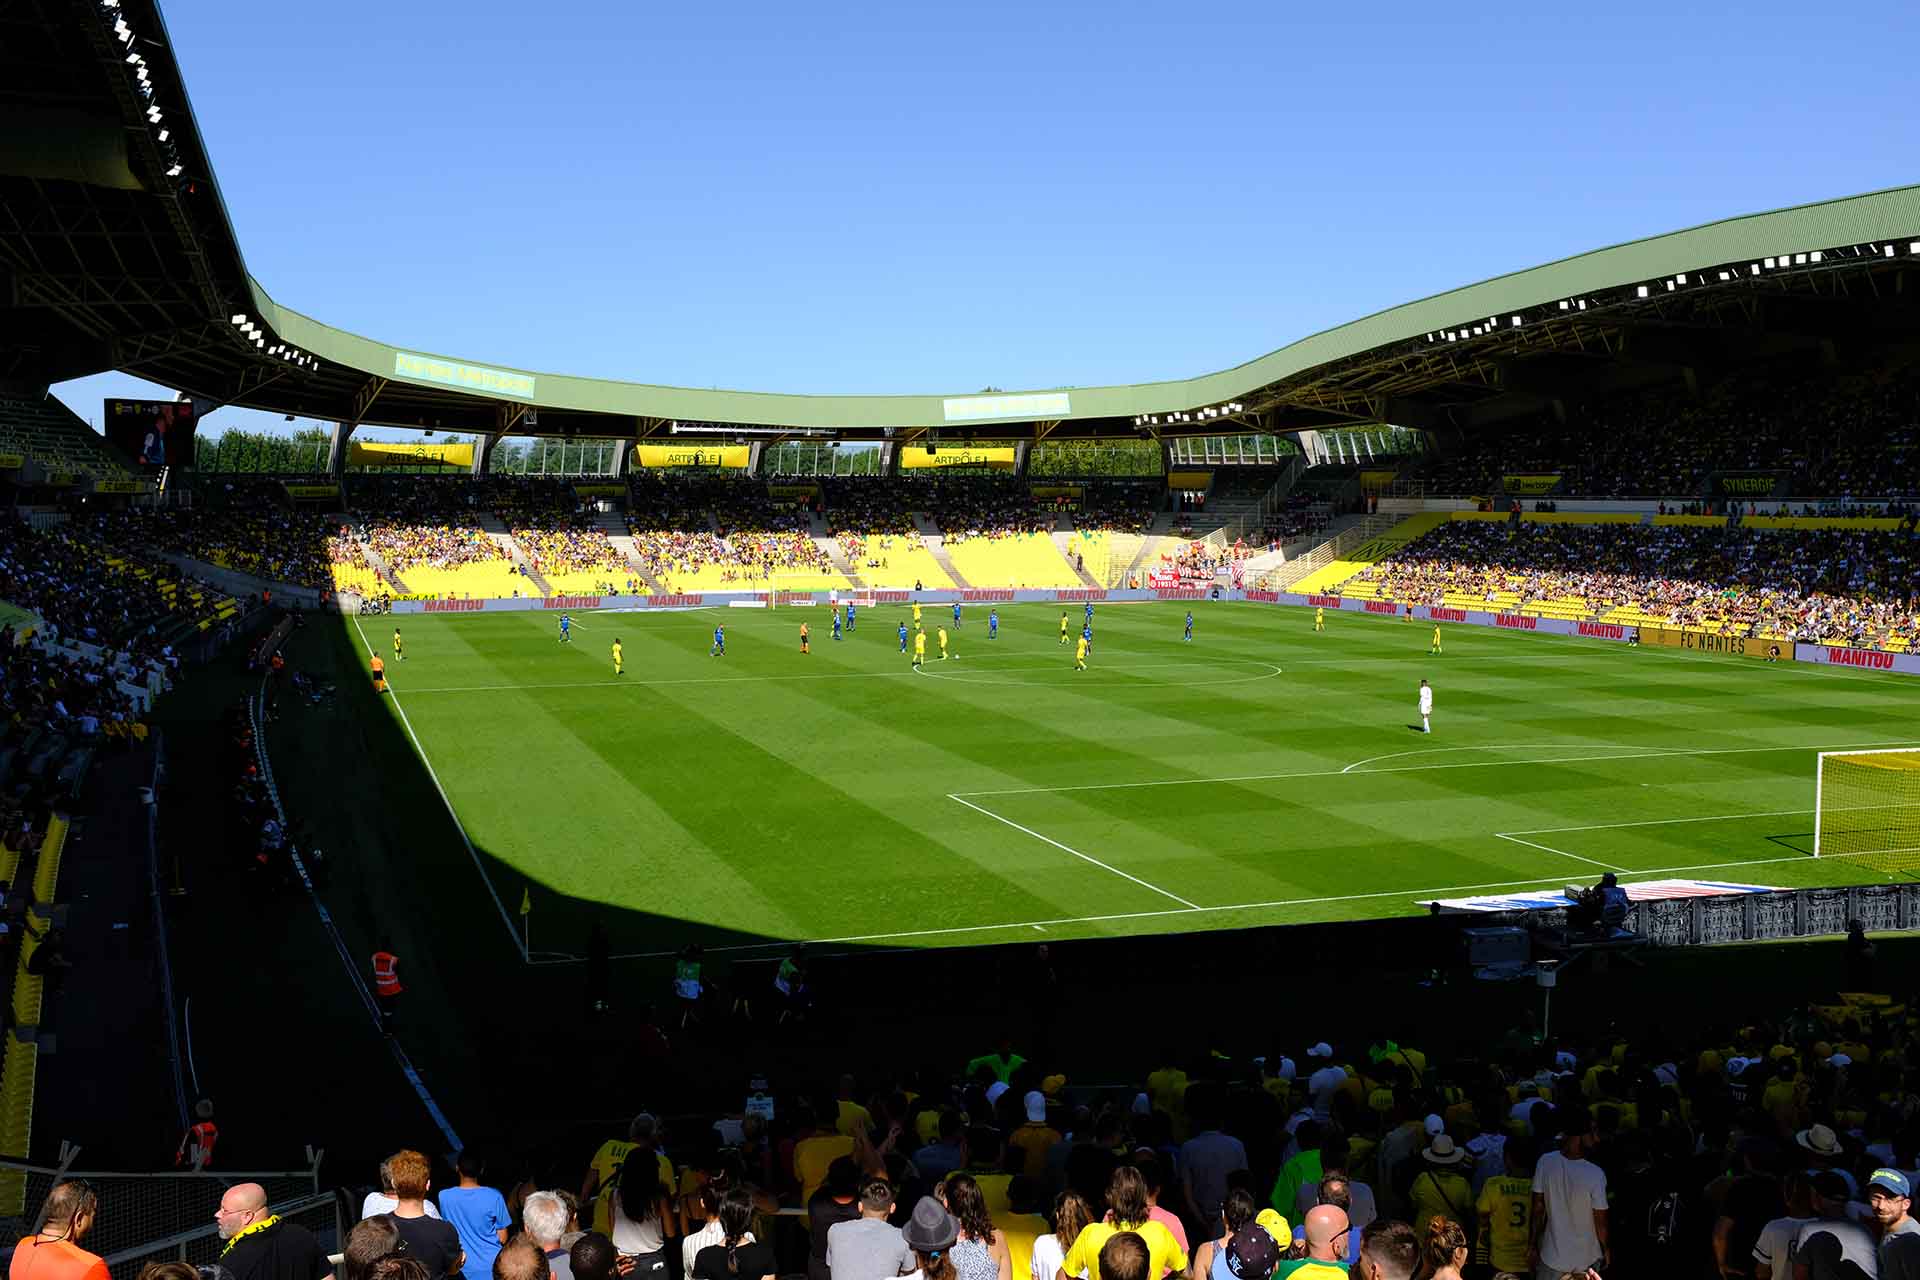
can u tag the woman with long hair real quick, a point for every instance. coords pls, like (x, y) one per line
(738, 1256)
(1071, 1214)
(1238, 1210)
(931, 1233)
(640, 1212)
(979, 1252)
(1443, 1253)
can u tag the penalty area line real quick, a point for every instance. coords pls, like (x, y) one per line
(1546, 848)
(1084, 857)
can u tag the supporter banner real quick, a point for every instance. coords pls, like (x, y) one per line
(793, 492)
(1531, 483)
(123, 486)
(1189, 479)
(1859, 659)
(470, 377)
(916, 457)
(1556, 899)
(1746, 484)
(600, 490)
(1044, 491)
(730, 457)
(12, 461)
(1705, 642)
(312, 490)
(410, 453)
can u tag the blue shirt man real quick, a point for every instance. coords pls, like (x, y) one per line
(956, 613)
(1086, 633)
(479, 1214)
(849, 615)
(993, 624)
(566, 629)
(1189, 624)
(836, 626)
(1089, 613)
(719, 641)
(903, 637)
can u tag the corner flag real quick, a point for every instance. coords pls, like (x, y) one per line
(526, 901)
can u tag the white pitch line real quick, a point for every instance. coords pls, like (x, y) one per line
(1417, 895)
(1417, 768)
(1526, 746)
(507, 920)
(1657, 822)
(1084, 857)
(1546, 848)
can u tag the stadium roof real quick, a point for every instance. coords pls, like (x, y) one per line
(116, 252)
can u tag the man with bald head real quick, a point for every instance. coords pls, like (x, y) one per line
(53, 1252)
(262, 1247)
(521, 1259)
(1327, 1232)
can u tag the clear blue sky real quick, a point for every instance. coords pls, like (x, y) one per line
(916, 198)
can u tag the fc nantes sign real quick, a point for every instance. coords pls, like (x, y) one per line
(732, 457)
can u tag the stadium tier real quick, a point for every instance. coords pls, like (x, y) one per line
(1016, 559)
(47, 432)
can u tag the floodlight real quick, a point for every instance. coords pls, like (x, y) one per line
(1643, 291)
(1799, 259)
(1816, 255)
(161, 136)
(1681, 278)
(240, 318)
(1768, 263)
(174, 172)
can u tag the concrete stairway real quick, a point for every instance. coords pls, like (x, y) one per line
(497, 530)
(936, 542)
(1060, 541)
(1294, 548)
(615, 527)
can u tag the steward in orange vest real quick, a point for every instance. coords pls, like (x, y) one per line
(386, 983)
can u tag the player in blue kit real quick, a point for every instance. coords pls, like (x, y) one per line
(849, 615)
(719, 649)
(836, 624)
(956, 615)
(993, 624)
(1089, 613)
(1189, 626)
(903, 637)
(1086, 636)
(566, 629)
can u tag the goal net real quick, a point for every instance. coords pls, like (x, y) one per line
(1867, 808)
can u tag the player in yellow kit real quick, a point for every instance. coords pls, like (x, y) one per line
(916, 613)
(1080, 654)
(1063, 628)
(919, 647)
(943, 644)
(1436, 641)
(619, 663)
(399, 654)
(1319, 618)
(803, 638)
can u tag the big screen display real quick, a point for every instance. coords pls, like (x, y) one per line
(154, 433)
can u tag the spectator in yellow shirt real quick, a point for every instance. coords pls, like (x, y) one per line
(1036, 1137)
(1127, 1212)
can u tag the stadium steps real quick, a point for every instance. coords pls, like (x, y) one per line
(1374, 549)
(381, 569)
(1064, 542)
(936, 544)
(830, 548)
(496, 528)
(1151, 548)
(1293, 548)
(614, 525)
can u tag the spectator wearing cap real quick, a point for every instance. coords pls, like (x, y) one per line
(1388, 1251)
(1326, 1078)
(1036, 1137)
(1127, 1210)
(1327, 1233)
(1848, 1241)
(1889, 1195)
(1826, 1151)
(1236, 1212)
(930, 1234)
(1570, 1201)
(1209, 1158)
(1440, 1188)
(1252, 1254)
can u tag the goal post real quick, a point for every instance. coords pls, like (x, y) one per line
(1866, 807)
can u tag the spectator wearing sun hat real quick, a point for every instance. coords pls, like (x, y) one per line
(930, 1234)
(1440, 1187)
(1826, 1150)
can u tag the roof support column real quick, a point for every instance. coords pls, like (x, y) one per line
(756, 453)
(1022, 450)
(622, 459)
(889, 458)
(483, 452)
(337, 449)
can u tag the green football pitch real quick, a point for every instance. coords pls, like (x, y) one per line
(1261, 774)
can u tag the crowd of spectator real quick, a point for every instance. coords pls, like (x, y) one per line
(1812, 585)
(411, 522)
(1856, 435)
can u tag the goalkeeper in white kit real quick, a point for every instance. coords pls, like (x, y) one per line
(1426, 707)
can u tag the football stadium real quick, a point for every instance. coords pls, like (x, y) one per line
(524, 824)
